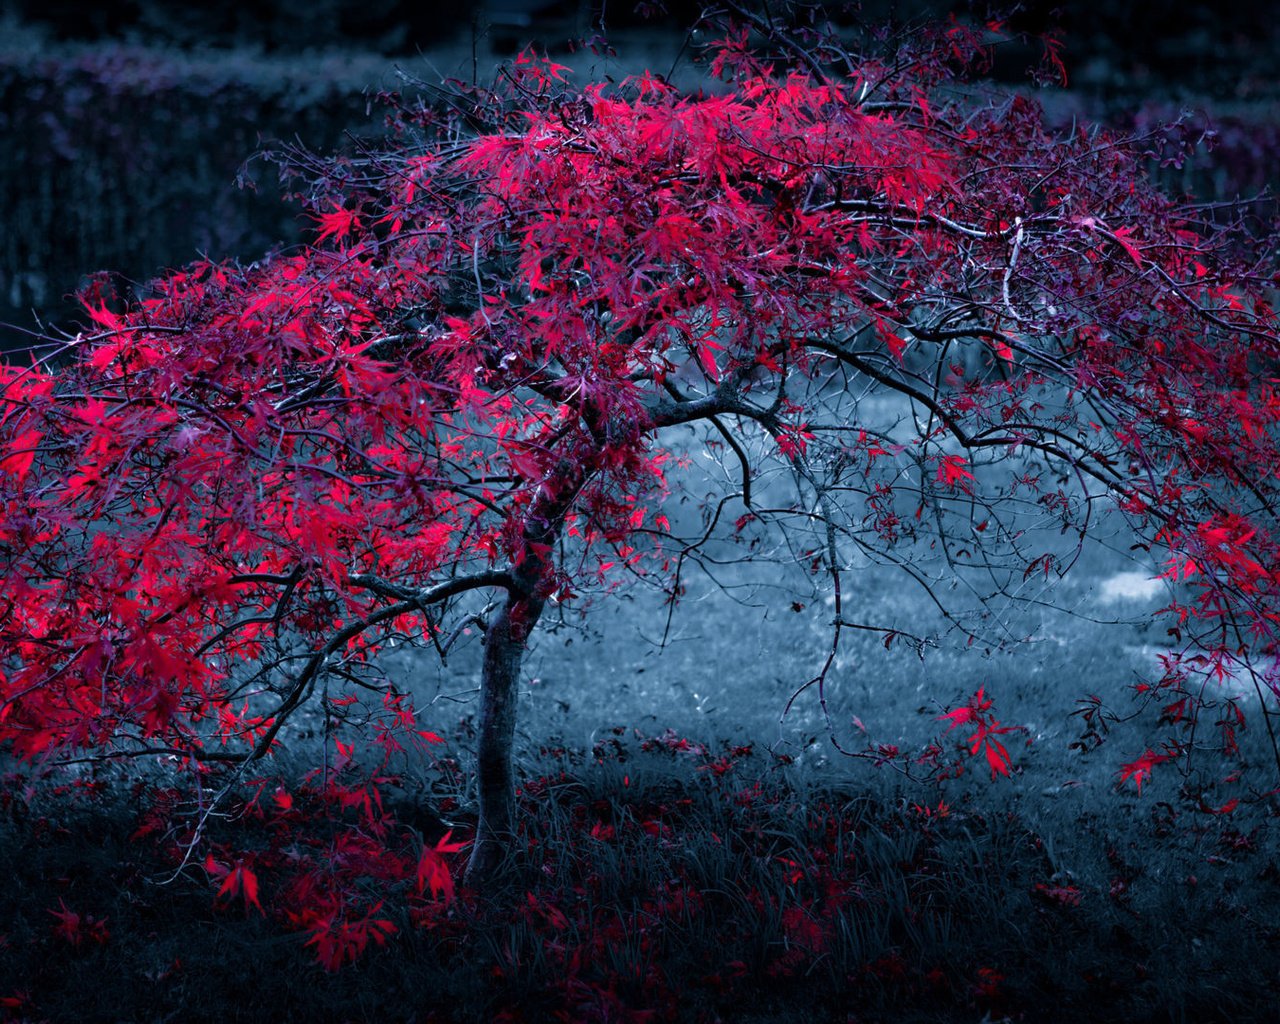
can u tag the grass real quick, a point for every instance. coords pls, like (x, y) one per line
(687, 853)
(687, 856)
(661, 878)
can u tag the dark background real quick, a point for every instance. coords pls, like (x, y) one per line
(1216, 46)
(125, 126)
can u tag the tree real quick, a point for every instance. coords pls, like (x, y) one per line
(455, 406)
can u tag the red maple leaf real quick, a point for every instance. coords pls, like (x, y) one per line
(237, 880)
(1140, 770)
(951, 472)
(433, 870)
(19, 458)
(338, 224)
(78, 928)
(1121, 235)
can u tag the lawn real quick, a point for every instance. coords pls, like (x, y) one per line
(690, 854)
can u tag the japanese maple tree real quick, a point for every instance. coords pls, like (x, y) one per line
(947, 321)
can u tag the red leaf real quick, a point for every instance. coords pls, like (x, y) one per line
(527, 464)
(1140, 770)
(708, 360)
(338, 224)
(241, 880)
(896, 345)
(1121, 235)
(444, 846)
(951, 472)
(961, 716)
(249, 882)
(998, 758)
(21, 454)
(76, 928)
(103, 316)
(433, 871)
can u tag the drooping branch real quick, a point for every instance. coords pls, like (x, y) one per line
(316, 663)
(1088, 461)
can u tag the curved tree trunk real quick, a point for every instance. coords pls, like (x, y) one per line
(499, 678)
(503, 654)
(505, 638)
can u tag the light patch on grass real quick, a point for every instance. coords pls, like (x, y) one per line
(1130, 585)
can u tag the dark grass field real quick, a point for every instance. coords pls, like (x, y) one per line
(686, 856)
(652, 887)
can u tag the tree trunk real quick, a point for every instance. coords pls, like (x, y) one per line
(504, 644)
(499, 676)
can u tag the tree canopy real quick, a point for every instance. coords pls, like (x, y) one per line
(224, 498)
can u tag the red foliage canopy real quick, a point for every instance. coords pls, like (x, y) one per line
(256, 476)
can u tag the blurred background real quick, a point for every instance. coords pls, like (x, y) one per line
(125, 127)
